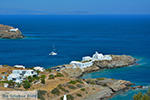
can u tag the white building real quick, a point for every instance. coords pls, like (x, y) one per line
(5, 85)
(97, 56)
(100, 56)
(19, 75)
(14, 30)
(107, 57)
(87, 61)
(81, 64)
(41, 69)
(86, 58)
(19, 66)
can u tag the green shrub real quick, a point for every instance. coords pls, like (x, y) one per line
(43, 79)
(141, 96)
(104, 85)
(55, 91)
(79, 95)
(70, 97)
(138, 96)
(41, 94)
(71, 87)
(93, 83)
(62, 98)
(18, 85)
(59, 75)
(75, 81)
(43, 76)
(10, 83)
(36, 78)
(72, 82)
(26, 84)
(79, 81)
(79, 85)
(83, 89)
(51, 76)
(30, 79)
(61, 88)
(49, 70)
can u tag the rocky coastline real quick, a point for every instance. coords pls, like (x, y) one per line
(65, 80)
(117, 61)
(110, 86)
(9, 32)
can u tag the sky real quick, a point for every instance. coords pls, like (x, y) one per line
(60, 7)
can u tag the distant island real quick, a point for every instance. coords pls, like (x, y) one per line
(9, 32)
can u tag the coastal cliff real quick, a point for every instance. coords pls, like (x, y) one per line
(116, 62)
(108, 87)
(8, 32)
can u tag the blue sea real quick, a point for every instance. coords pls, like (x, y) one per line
(75, 36)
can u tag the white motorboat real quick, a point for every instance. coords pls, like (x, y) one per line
(52, 53)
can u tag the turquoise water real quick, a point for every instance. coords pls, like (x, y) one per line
(138, 74)
(77, 36)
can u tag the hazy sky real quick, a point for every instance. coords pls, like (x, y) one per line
(74, 7)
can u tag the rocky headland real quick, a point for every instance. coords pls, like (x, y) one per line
(109, 87)
(8, 32)
(116, 62)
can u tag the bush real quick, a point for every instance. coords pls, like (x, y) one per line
(70, 97)
(26, 84)
(55, 91)
(83, 89)
(30, 79)
(41, 93)
(49, 70)
(75, 81)
(36, 78)
(43, 76)
(10, 83)
(79, 95)
(71, 87)
(72, 82)
(79, 85)
(43, 79)
(18, 85)
(141, 96)
(59, 75)
(51, 76)
(61, 88)
(62, 98)
(79, 81)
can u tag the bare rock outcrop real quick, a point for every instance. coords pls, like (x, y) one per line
(108, 87)
(116, 62)
(72, 72)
